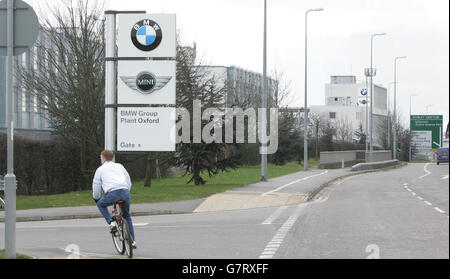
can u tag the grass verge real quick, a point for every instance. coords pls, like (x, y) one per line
(166, 189)
(18, 256)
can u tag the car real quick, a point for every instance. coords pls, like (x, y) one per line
(442, 155)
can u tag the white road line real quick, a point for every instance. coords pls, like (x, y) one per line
(274, 216)
(428, 203)
(414, 194)
(440, 210)
(271, 248)
(426, 170)
(445, 177)
(420, 198)
(293, 182)
(140, 224)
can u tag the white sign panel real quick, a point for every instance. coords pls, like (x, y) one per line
(421, 140)
(146, 129)
(147, 35)
(146, 82)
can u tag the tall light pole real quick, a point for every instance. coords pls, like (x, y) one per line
(371, 93)
(305, 114)
(264, 100)
(410, 101)
(389, 116)
(395, 104)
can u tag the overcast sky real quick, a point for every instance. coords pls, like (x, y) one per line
(230, 32)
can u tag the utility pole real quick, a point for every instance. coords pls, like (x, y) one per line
(264, 102)
(395, 105)
(305, 114)
(10, 178)
(371, 95)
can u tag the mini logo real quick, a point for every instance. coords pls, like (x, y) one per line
(145, 82)
(146, 35)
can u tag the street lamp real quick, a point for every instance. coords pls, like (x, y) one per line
(410, 137)
(264, 99)
(305, 142)
(395, 103)
(389, 115)
(371, 93)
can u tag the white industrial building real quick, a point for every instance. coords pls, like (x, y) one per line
(344, 104)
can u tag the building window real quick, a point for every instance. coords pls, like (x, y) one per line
(332, 115)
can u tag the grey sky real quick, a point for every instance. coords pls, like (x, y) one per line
(229, 32)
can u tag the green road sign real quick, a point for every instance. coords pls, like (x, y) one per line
(426, 132)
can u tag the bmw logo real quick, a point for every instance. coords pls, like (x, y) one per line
(145, 82)
(146, 35)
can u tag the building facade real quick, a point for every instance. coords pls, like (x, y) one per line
(29, 117)
(345, 105)
(244, 87)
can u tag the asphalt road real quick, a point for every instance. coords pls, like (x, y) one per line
(401, 213)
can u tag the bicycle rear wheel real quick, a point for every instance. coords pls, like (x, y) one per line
(127, 239)
(118, 239)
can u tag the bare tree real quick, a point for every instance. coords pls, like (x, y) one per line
(317, 122)
(68, 77)
(344, 130)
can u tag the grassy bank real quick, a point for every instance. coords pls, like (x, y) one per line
(166, 189)
(18, 256)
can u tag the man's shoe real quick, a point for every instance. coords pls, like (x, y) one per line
(113, 227)
(134, 245)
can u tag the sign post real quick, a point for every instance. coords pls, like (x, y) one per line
(142, 73)
(18, 32)
(426, 133)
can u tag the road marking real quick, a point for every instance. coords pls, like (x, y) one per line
(426, 170)
(414, 194)
(140, 224)
(273, 246)
(420, 198)
(293, 182)
(440, 210)
(274, 216)
(428, 203)
(445, 177)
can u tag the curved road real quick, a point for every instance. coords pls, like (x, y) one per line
(401, 213)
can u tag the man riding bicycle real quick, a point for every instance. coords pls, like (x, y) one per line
(114, 180)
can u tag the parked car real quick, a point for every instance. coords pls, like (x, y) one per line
(442, 155)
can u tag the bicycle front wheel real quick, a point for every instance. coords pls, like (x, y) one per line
(127, 239)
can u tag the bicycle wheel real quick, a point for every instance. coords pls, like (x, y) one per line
(127, 239)
(118, 239)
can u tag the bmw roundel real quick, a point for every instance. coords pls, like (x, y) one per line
(146, 35)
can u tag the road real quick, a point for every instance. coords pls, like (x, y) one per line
(400, 213)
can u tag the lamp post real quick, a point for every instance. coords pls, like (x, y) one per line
(305, 114)
(410, 100)
(371, 93)
(264, 100)
(389, 116)
(395, 104)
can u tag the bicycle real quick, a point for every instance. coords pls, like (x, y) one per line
(122, 238)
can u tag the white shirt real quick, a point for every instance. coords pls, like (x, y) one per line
(110, 177)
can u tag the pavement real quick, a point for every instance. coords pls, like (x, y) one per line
(396, 213)
(88, 212)
(286, 190)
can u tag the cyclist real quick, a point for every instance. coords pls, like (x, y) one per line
(114, 180)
